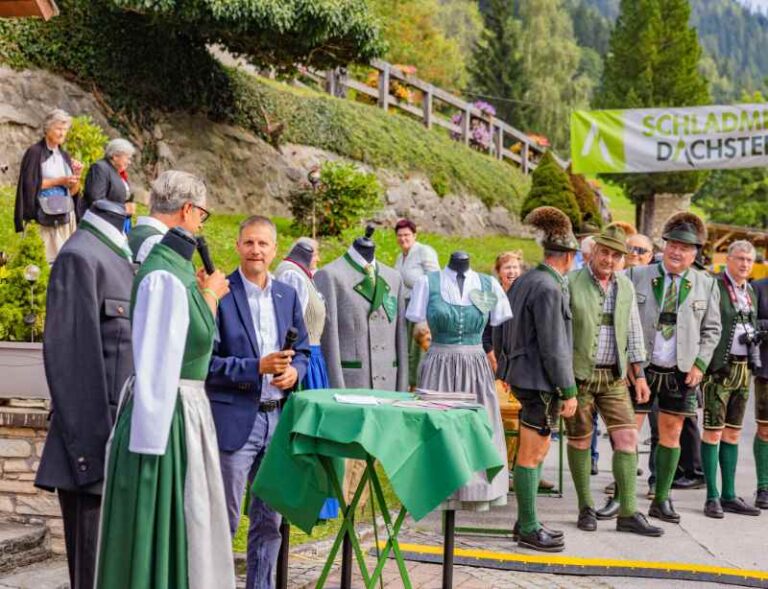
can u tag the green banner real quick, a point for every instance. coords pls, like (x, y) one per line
(669, 139)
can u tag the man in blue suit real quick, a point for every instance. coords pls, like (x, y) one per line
(248, 381)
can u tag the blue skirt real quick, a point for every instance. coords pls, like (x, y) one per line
(317, 378)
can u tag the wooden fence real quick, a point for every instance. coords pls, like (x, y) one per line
(507, 143)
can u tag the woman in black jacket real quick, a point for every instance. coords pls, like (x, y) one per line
(108, 178)
(49, 179)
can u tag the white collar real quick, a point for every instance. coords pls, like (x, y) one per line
(108, 230)
(255, 288)
(734, 283)
(153, 222)
(358, 259)
(453, 275)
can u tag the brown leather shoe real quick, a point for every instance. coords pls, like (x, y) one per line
(713, 509)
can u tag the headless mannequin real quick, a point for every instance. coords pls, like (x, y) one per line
(365, 246)
(459, 263)
(112, 212)
(181, 241)
(302, 254)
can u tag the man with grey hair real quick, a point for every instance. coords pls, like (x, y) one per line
(726, 386)
(175, 200)
(108, 177)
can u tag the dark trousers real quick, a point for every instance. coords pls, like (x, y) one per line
(690, 450)
(81, 535)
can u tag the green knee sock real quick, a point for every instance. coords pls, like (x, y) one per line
(526, 487)
(709, 465)
(729, 456)
(580, 464)
(666, 465)
(760, 448)
(625, 474)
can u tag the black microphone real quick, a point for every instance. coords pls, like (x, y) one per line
(290, 340)
(205, 256)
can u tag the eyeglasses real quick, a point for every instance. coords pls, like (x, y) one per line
(640, 251)
(204, 213)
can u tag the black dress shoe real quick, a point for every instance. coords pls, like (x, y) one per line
(761, 499)
(686, 483)
(664, 511)
(738, 505)
(556, 534)
(595, 470)
(637, 524)
(713, 509)
(540, 540)
(587, 519)
(609, 510)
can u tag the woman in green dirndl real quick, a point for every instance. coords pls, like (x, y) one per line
(164, 520)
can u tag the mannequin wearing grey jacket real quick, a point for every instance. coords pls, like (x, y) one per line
(364, 340)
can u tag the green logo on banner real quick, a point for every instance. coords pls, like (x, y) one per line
(597, 142)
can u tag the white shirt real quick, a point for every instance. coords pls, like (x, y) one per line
(152, 240)
(55, 166)
(265, 325)
(421, 259)
(743, 304)
(449, 291)
(665, 350)
(109, 231)
(294, 276)
(160, 325)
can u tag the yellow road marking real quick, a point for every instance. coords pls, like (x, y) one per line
(585, 562)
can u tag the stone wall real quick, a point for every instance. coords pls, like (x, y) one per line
(665, 206)
(23, 427)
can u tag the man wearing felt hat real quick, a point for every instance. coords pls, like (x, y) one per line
(608, 348)
(535, 358)
(680, 313)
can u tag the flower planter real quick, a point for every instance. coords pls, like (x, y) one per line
(23, 373)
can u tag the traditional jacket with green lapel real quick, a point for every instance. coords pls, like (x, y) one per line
(364, 341)
(729, 317)
(587, 309)
(698, 313)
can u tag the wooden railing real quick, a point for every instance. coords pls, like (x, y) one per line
(507, 143)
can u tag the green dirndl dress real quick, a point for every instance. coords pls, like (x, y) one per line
(164, 522)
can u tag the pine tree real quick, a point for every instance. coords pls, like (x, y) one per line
(653, 61)
(551, 57)
(587, 200)
(496, 68)
(551, 187)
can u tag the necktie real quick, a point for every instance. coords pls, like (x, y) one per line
(669, 306)
(371, 272)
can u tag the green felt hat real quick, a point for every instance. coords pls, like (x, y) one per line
(685, 227)
(614, 238)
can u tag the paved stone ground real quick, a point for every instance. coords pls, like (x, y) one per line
(734, 542)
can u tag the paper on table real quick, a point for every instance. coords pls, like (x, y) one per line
(356, 399)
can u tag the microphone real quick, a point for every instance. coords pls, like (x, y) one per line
(290, 340)
(205, 256)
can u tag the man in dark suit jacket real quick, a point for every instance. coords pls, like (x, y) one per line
(760, 445)
(88, 357)
(248, 381)
(535, 355)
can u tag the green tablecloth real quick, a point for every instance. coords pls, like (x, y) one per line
(426, 453)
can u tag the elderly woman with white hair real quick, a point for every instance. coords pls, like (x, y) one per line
(49, 179)
(108, 177)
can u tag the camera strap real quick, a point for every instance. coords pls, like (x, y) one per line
(731, 288)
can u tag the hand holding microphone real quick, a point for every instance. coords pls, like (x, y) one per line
(208, 278)
(279, 363)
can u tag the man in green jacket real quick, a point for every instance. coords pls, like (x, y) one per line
(726, 386)
(608, 347)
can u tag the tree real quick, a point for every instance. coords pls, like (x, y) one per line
(550, 187)
(736, 197)
(586, 199)
(496, 70)
(322, 33)
(413, 33)
(653, 61)
(550, 64)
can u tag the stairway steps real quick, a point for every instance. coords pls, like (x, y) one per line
(22, 545)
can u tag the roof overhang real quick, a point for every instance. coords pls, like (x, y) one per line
(44, 9)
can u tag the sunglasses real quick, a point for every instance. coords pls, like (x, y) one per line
(205, 214)
(640, 251)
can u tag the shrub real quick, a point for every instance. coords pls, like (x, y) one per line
(85, 142)
(17, 304)
(343, 197)
(587, 200)
(551, 187)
